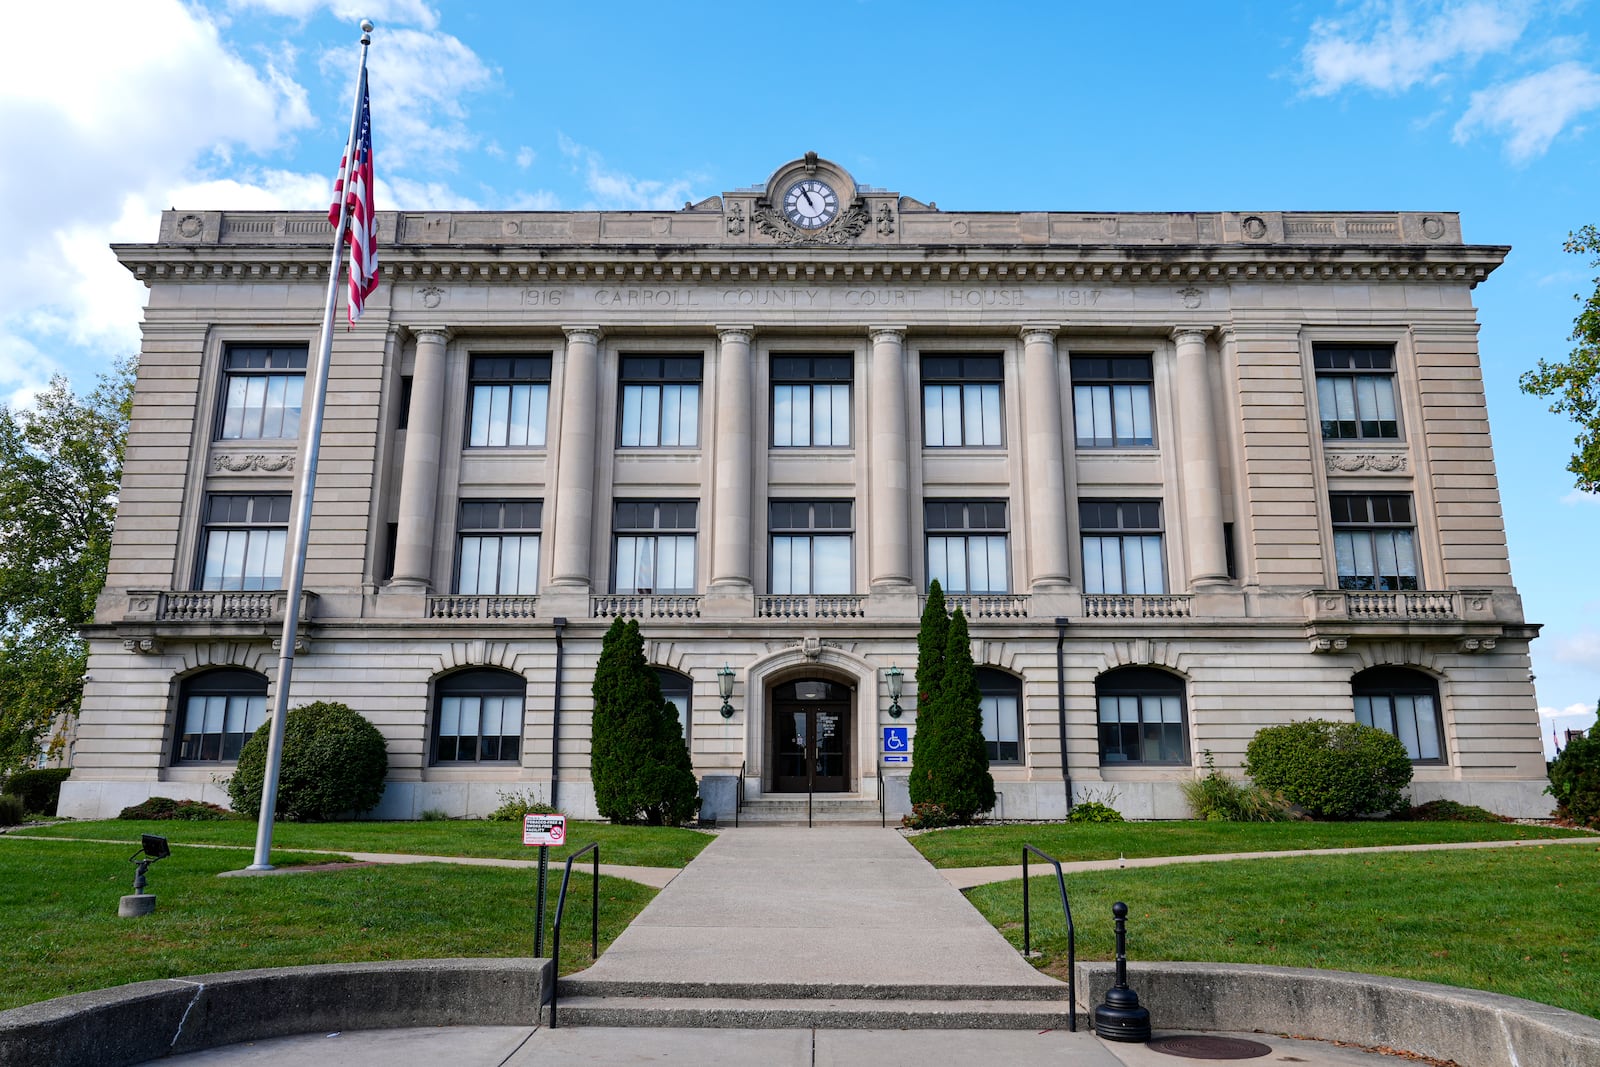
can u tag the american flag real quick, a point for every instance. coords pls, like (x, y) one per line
(361, 232)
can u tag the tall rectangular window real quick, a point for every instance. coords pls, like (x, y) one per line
(1355, 391)
(1374, 540)
(1122, 546)
(810, 545)
(961, 401)
(244, 540)
(811, 401)
(510, 401)
(1111, 401)
(967, 545)
(1000, 703)
(499, 547)
(660, 401)
(654, 545)
(261, 392)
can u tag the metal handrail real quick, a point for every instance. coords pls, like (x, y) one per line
(594, 922)
(883, 818)
(738, 794)
(1027, 941)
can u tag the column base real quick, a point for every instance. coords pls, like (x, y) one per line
(730, 600)
(893, 600)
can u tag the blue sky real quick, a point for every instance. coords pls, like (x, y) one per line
(1489, 108)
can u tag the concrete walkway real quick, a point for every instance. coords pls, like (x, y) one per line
(507, 1046)
(850, 905)
(967, 877)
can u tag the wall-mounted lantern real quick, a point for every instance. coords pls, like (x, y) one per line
(894, 674)
(725, 687)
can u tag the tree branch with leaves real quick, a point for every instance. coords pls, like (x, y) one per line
(1575, 382)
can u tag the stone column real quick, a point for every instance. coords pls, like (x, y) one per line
(574, 490)
(419, 471)
(730, 537)
(1197, 451)
(889, 546)
(1046, 469)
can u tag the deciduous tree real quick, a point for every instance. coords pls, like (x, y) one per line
(1575, 381)
(60, 466)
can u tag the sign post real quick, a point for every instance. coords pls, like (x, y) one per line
(542, 831)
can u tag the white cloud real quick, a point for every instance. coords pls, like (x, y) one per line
(418, 80)
(1531, 111)
(403, 194)
(616, 189)
(1573, 711)
(405, 12)
(1577, 498)
(155, 98)
(1383, 47)
(525, 157)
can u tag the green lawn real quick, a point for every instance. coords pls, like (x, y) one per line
(642, 846)
(1518, 921)
(59, 930)
(985, 846)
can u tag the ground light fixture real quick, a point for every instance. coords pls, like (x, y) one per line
(895, 675)
(725, 687)
(152, 847)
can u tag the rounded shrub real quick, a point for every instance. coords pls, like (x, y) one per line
(334, 762)
(1094, 811)
(1575, 780)
(160, 808)
(39, 790)
(11, 813)
(1330, 770)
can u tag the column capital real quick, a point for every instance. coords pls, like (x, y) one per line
(1038, 332)
(733, 334)
(591, 334)
(1191, 334)
(880, 334)
(435, 334)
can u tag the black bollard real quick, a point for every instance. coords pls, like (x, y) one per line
(1121, 1018)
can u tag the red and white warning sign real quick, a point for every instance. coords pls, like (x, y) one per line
(544, 830)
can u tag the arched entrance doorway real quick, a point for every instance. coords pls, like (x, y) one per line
(811, 736)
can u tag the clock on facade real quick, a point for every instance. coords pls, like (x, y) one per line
(810, 204)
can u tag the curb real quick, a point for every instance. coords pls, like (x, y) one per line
(1468, 1026)
(132, 1024)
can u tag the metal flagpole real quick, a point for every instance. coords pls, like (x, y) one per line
(304, 486)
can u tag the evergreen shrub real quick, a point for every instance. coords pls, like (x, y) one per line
(1448, 811)
(39, 790)
(1575, 780)
(11, 813)
(950, 761)
(334, 763)
(1330, 770)
(638, 760)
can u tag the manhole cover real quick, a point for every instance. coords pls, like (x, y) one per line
(1206, 1047)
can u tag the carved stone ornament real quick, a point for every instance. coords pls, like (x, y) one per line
(1477, 644)
(145, 646)
(736, 220)
(1254, 226)
(1330, 644)
(1347, 461)
(237, 463)
(811, 647)
(190, 226)
(885, 221)
(431, 296)
(1191, 297)
(847, 227)
(1432, 228)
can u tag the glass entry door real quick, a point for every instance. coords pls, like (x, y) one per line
(811, 720)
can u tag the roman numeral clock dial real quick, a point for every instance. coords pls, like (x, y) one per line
(810, 204)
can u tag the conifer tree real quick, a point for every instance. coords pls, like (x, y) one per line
(932, 637)
(964, 784)
(638, 761)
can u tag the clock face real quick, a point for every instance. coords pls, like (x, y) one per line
(810, 204)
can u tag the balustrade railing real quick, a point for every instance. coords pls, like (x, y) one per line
(796, 606)
(1138, 606)
(644, 606)
(482, 607)
(1361, 605)
(986, 605)
(215, 605)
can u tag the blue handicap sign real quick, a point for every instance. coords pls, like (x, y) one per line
(896, 739)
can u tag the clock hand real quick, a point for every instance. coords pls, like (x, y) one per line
(808, 197)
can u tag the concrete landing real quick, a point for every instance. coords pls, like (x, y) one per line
(854, 906)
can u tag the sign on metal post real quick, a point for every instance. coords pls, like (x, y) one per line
(542, 831)
(896, 744)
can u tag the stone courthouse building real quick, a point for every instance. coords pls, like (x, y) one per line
(1189, 474)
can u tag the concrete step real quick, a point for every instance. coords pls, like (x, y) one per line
(788, 810)
(1046, 992)
(839, 1014)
